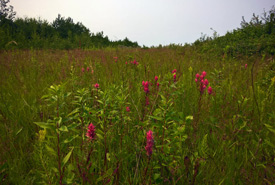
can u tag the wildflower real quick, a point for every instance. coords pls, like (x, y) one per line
(197, 75)
(128, 109)
(146, 89)
(83, 69)
(88, 68)
(174, 71)
(206, 82)
(157, 84)
(156, 78)
(145, 86)
(96, 85)
(149, 143)
(245, 66)
(203, 73)
(209, 90)
(91, 132)
(92, 71)
(196, 80)
(126, 62)
(175, 77)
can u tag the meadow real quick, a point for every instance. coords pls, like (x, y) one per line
(136, 116)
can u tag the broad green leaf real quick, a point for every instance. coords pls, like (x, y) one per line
(67, 157)
(43, 125)
(73, 112)
(156, 118)
(63, 129)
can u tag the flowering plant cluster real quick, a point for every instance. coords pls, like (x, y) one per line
(174, 75)
(149, 143)
(145, 86)
(203, 83)
(91, 132)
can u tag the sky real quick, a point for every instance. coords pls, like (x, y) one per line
(148, 22)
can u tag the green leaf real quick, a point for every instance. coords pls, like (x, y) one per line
(270, 128)
(73, 112)
(51, 150)
(156, 176)
(70, 139)
(189, 118)
(19, 131)
(99, 136)
(44, 125)
(156, 118)
(63, 129)
(67, 157)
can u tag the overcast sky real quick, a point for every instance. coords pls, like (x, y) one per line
(149, 22)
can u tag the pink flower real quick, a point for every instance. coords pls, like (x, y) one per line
(126, 62)
(156, 78)
(157, 84)
(201, 77)
(203, 73)
(143, 83)
(174, 71)
(245, 66)
(209, 90)
(146, 90)
(146, 84)
(128, 109)
(197, 75)
(149, 143)
(196, 80)
(175, 77)
(96, 85)
(83, 69)
(206, 82)
(88, 68)
(92, 71)
(91, 132)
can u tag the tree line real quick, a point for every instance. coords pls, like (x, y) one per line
(62, 33)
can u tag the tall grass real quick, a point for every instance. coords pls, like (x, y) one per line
(49, 98)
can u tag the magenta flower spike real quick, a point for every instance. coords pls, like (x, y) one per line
(156, 78)
(209, 90)
(206, 82)
(96, 85)
(197, 75)
(149, 143)
(91, 132)
(128, 109)
(203, 73)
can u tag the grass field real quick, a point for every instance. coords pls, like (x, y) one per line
(136, 116)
